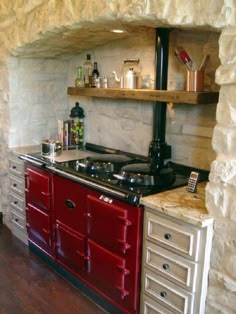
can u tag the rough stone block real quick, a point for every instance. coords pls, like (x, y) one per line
(226, 108)
(223, 140)
(227, 44)
(223, 171)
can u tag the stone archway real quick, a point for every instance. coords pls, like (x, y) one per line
(47, 29)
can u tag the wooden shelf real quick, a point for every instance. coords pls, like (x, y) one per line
(147, 94)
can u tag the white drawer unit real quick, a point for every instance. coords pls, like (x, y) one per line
(18, 221)
(17, 184)
(16, 166)
(177, 269)
(149, 306)
(169, 295)
(17, 197)
(17, 203)
(175, 265)
(178, 237)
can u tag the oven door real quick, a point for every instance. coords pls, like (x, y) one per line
(106, 217)
(109, 274)
(39, 228)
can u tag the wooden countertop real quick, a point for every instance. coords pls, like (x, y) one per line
(181, 204)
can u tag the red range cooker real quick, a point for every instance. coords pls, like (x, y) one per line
(85, 215)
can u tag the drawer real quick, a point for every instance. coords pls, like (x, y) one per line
(17, 185)
(149, 306)
(173, 267)
(169, 295)
(177, 236)
(18, 221)
(17, 203)
(16, 167)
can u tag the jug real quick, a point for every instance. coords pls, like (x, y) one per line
(131, 77)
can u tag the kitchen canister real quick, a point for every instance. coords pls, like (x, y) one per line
(195, 81)
(77, 126)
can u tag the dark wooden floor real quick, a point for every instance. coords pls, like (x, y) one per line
(28, 285)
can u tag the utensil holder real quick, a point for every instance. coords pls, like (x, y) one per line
(195, 81)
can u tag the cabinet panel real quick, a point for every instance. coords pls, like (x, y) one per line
(108, 224)
(16, 167)
(17, 203)
(37, 187)
(38, 227)
(18, 220)
(70, 249)
(108, 272)
(70, 204)
(174, 236)
(167, 294)
(150, 306)
(172, 266)
(17, 185)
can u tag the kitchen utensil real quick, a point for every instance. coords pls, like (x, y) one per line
(209, 49)
(203, 63)
(131, 77)
(51, 147)
(183, 57)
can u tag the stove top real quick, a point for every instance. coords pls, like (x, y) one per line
(126, 176)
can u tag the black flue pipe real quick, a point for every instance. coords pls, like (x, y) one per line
(159, 108)
(158, 149)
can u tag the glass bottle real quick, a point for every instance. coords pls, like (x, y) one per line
(95, 75)
(88, 69)
(79, 81)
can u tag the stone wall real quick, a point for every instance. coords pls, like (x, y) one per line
(49, 29)
(4, 136)
(128, 124)
(220, 192)
(37, 99)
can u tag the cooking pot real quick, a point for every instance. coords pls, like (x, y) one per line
(51, 147)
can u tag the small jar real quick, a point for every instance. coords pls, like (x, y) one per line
(97, 82)
(105, 82)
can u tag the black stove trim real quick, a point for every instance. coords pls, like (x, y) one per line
(127, 194)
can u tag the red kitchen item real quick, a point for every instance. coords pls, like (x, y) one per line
(183, 57)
